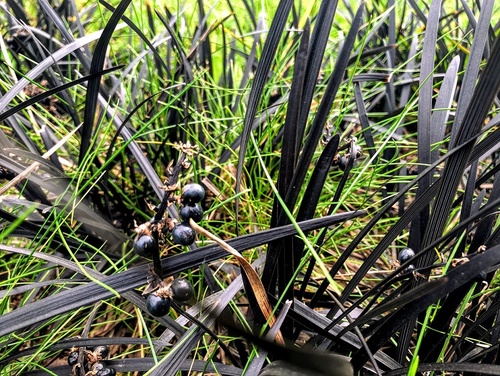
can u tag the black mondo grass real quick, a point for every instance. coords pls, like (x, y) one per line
(349, 155)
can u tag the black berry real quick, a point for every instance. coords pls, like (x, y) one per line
(73, 358)
(157, 306)
(191, 211)
(343, 161)
(183, 234)
(409, 269)
(405, 255)
(106, 372)
(181, 289)
(145, 245)
(101, 351)
(97, 367)
(192, 193)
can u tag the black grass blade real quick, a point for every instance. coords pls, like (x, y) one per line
(453, 280)
(484, 94)
(93, 87)
(270, 46)
(325, 105)
(472, 71)
(385, 111)
(136, 277)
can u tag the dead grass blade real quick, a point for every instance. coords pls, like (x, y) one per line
(257, 288)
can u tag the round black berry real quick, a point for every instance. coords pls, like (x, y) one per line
(145, 245)
(192, 193)
(343, 161)
(191, 211)
(409, 269)
(405, 255)
(106, 372)
(157, 306)
(73, 358)
(97, 367)
(181, 289)
(101, 351)
(183, 234)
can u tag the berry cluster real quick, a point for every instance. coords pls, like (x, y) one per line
(192, 194)
(158, 303)
(182, 233)
(91, 362)
(405, 255)
(151, 236)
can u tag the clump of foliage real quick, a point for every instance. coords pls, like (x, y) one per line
(349, 154)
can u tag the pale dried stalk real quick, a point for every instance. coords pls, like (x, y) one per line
(257, 287)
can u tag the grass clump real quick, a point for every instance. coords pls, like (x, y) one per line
(327, 138)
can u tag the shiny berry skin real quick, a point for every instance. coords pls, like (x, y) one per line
(181, 290)
(191, 211)
(106, 372)
(144, 246)
(405, 255)
(192, 193)
(183, 234)
(101, 351)
(97, 367)
(409, 269)
(343, 161)
(157, 306)
(73, 358)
